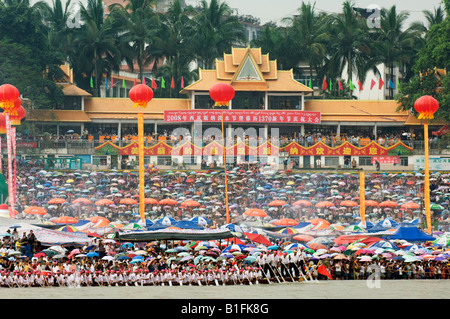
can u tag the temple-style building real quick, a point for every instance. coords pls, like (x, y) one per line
(272, 119)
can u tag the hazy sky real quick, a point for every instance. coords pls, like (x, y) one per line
(275, 10)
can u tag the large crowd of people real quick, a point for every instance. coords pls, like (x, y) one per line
(25, 262)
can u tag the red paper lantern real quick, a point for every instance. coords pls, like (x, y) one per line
(222, 94)
(426, 106)
(8, 94)
(16, 119)
(2, 124)
(141, 94)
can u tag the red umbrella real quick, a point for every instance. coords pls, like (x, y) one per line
(56, 201)
(317, 221)
(82, 200)
(256, 212)
(35, 210)
(104, 202)
(324, 204)
(370, 202)
(277, 203)
(316, 246)
(128, 201)
(65, 220)
(388, 203)
(190, 203)
(303, 238)
(258, 238)
(168, 202)
(349, 203)
(302, 202)
(410, 205)
(150, 201)
(285, 222)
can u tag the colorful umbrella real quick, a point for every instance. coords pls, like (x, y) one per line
(302, 202)
(349, 203)
(190, 203)
(285, 222)
(168, 202)
(410, 205)
(82, 200)
(323, 204)
(128, 201)
(104, 202)
(150, 201)
(56, 201)
(65, 220)
(255, 212)
(388, 203)
(35, 210)
(288, 231)
(68, 229)
(277, 203)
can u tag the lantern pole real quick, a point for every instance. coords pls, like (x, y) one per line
(427, 178)
(141, 166)
(226, 178)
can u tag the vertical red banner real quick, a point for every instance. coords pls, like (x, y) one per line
(10, 174)
(13, 141)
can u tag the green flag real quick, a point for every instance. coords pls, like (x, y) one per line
(352, 87)
(331, 84)
(309, 84)
(92, 82)
(3, 189)
(123, 84)
(163, 83)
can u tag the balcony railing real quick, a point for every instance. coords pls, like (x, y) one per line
(417, 145)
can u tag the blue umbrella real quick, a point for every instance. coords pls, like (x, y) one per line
(92, 254)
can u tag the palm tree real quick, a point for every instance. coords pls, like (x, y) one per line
(138, 27)
(349, 45)
(214, 31)
(172, 45)
(272, 40)
(97, 47)
(394, 46)
(309, 37)
(57, 18)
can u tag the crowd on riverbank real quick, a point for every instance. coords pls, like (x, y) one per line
(106, 262)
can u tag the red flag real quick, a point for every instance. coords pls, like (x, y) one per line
(380, 84)
(372, 84)
(172, 85)
(324, 271)
(182, 82)
(112, 83)
(143, 80)
(360, 85)
(154, 86)
(135, 82)
(324, 84)
(340, 84)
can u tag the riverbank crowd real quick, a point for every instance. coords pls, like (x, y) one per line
(106, 262)
(25, 262)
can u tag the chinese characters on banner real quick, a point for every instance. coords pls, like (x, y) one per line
(385, 159)
(240, 116)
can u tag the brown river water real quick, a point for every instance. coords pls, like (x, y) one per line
(349, 289)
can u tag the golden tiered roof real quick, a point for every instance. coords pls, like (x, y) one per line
(247, 69)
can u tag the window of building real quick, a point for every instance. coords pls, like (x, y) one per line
(284, 102)
(403, 161)
(365, 161)
(331, 161)
(248, 100)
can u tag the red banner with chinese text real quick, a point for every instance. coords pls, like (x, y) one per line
(242, 116)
